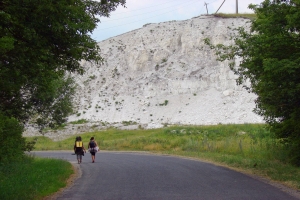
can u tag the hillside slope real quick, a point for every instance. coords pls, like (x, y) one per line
(164, 73)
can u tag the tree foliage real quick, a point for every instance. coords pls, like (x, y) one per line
(12, 144)
(270, 54)
(39, 42)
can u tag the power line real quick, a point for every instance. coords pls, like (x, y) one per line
(212, 2)
(220, 6)
(143, 8)
(205, 4)
(142, 19)
(144, 13)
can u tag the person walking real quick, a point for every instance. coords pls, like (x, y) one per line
(79, 149)
(93, 148)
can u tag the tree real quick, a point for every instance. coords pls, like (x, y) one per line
(12, 143)
(41, 42)
(270, 54)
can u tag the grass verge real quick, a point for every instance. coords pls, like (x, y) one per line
(251, 148)
(33, 178)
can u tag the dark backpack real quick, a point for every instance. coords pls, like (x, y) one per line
(92, 144)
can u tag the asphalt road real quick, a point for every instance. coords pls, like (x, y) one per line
(138, 176)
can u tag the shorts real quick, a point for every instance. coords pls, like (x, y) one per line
(80, 152)
(93, 153)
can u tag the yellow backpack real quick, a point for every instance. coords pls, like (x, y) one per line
(78, 144)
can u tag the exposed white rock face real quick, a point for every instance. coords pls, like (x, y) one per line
(164, 73)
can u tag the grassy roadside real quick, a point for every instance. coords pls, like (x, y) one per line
(247, 147)
(33, 178)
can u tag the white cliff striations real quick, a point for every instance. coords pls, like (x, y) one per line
(164, 73)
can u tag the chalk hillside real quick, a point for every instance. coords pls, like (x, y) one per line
(162, 74)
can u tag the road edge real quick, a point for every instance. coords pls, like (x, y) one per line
(70, 182)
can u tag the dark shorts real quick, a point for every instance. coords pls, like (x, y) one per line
(93, 153)
(79, 152)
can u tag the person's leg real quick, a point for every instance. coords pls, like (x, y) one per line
(93, 156)
(78, 158)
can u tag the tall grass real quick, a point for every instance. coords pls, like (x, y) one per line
(249, 147)
(33, 178)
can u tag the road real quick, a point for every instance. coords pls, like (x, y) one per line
(141, 176)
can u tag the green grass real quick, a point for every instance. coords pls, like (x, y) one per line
(250, 148)
(33, 178)
(80, 121)
(251, 16)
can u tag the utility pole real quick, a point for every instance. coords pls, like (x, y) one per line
(220, 6)
(205, 4)
(237, 7)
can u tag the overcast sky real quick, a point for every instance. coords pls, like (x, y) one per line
(140, 12)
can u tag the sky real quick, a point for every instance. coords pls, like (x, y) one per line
(140, 12)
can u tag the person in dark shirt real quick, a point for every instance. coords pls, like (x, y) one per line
(93, 148)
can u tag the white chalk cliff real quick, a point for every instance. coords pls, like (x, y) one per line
(165, 74)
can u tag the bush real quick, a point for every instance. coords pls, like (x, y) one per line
(289, 131)
(12, 144)
(80, 121)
